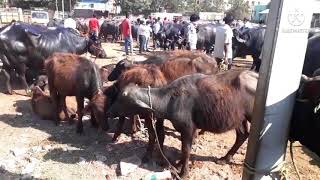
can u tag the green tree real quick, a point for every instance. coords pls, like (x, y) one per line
(239, 9)
(212, 5)
(50, 4)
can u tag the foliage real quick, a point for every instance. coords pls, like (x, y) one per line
(239, 9)
(147, 6)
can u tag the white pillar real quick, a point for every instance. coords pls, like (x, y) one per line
(282, 61)
(62, 5)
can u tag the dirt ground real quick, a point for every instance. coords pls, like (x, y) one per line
(34, 148)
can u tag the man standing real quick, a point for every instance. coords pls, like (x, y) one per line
(70, 23)
(94, 27)
(156, 29)
(223, 42)
(126, 31)
(148, 34)
(191, 34)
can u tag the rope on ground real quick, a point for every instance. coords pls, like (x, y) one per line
(293, 162)
(173, 169)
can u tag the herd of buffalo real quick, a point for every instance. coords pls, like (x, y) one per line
(186, 88)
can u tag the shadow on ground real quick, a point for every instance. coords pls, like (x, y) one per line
(315, 159)
(91, 143)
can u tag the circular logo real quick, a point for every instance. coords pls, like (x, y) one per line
(296, 17)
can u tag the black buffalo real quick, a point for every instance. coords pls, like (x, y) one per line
(312, 58)
(206, 37)
(24, 46)
(305, 124)
(109, 28)
(55, 23)
(249, 42)
(169, 35)
(313, 32)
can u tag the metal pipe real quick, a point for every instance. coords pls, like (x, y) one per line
(57, 8)
(62, 5)
(287, 31)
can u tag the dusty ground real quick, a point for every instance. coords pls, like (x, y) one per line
(36, 148)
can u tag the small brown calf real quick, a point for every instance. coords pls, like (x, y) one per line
(42, 106)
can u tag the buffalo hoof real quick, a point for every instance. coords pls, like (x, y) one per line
(94, 123)
(146, 158)
(115, 139)
(9, 91)
(184, 174)
(57, 122)
(224, 160)
(80, 130)
(71, 121)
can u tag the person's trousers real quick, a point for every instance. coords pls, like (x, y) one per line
(146, 44)
(127, 44)
(142, 41)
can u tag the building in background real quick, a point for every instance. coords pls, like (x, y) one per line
(86, 8)
(260, 12)
(315, 23)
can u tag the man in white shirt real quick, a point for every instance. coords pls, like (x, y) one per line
(143, 32)
(70, 23)
(223, 42)
(156, 29)
(191, 34)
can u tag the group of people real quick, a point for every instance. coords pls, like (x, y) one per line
(94, 26)
(223, 39)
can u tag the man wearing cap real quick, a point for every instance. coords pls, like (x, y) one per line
(223, 42)
(191, 35)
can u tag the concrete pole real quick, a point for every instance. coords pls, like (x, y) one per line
(282, 61)
(70, 6)
(62, 5)
(57, 8)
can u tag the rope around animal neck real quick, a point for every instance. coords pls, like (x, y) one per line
(173, 169)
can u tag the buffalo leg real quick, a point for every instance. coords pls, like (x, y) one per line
(242, 134)
(80, 114)
(6, 73)
(161, 137)
(160, 132)
(119, 128)
(93, 119)
(55, 101)
(186, 140)
(148, 155)
(134, 120)
(21, 70)
(65, 109)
